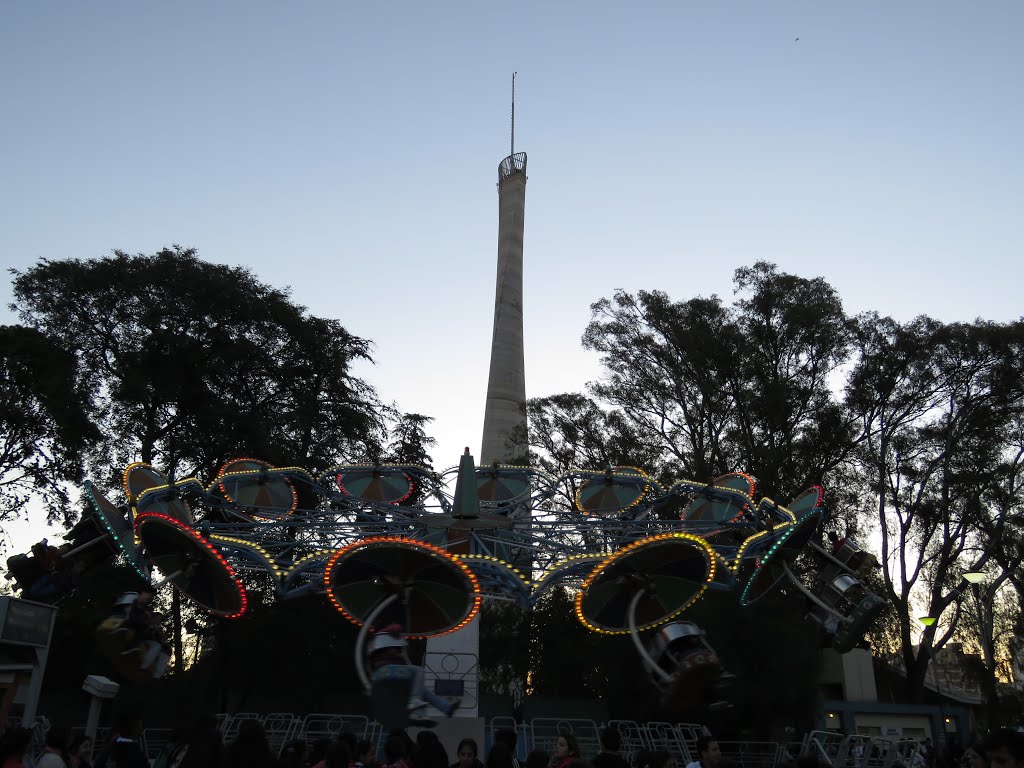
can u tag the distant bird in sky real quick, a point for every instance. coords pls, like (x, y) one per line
(797, 40)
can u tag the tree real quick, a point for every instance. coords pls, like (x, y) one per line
(561, 650)
(935, 404)
(410, 442)
(992, 615)
(723, 388)
(572, 431)
(504, 663)
(44, 429)
(191, 363)
(796, 336)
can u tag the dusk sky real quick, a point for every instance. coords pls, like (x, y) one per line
(350, 151)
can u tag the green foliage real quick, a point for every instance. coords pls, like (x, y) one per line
(565, 658)
(938, 407)
(44, 430)
(191, 363)
(409, 444)
(504, 648)
(571, 431)
(718, 388)
(409, 441)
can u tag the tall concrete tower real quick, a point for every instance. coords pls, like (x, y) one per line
(504, 437)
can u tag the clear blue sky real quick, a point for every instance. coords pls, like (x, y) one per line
(349, 150)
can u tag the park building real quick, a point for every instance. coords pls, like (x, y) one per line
(865, 695)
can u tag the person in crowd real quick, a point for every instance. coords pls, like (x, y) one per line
(203, 744)
(80, 752)
(500, 756)
(466, 756)
(173, 750)
(974, 757)
(250, 748)
(293, 754)
(508, 736)
(952, 751)
(425, 737)
(124, 750)
(566, 750)
(709, 755)
(611, 747)
(1005, 749)
(350, 740)
(318, 751)
(658, 758)
(397, 750)
(13, 746)
(338, 754)
(430, 752)
(55, 749)
(857, 751)
(364, 753)
(432, 755)
(537, 758)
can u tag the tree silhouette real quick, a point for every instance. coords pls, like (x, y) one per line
(44, 430)
(936, 404)
(189, 364)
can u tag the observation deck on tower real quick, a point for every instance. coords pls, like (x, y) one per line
(512, 165)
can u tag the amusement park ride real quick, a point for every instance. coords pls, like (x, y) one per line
(505, 532)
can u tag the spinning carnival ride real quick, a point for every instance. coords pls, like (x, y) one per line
(505, 532)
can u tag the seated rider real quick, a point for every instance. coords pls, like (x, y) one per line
(694, 671)
(49, 579)
(389, 660)
(140, 619)
(850, 553)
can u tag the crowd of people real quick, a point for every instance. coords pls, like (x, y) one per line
(202, 746)
(60, 750)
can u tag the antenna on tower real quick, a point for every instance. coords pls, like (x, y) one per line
(513, 147)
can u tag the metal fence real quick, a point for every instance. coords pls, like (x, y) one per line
(830, 748)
